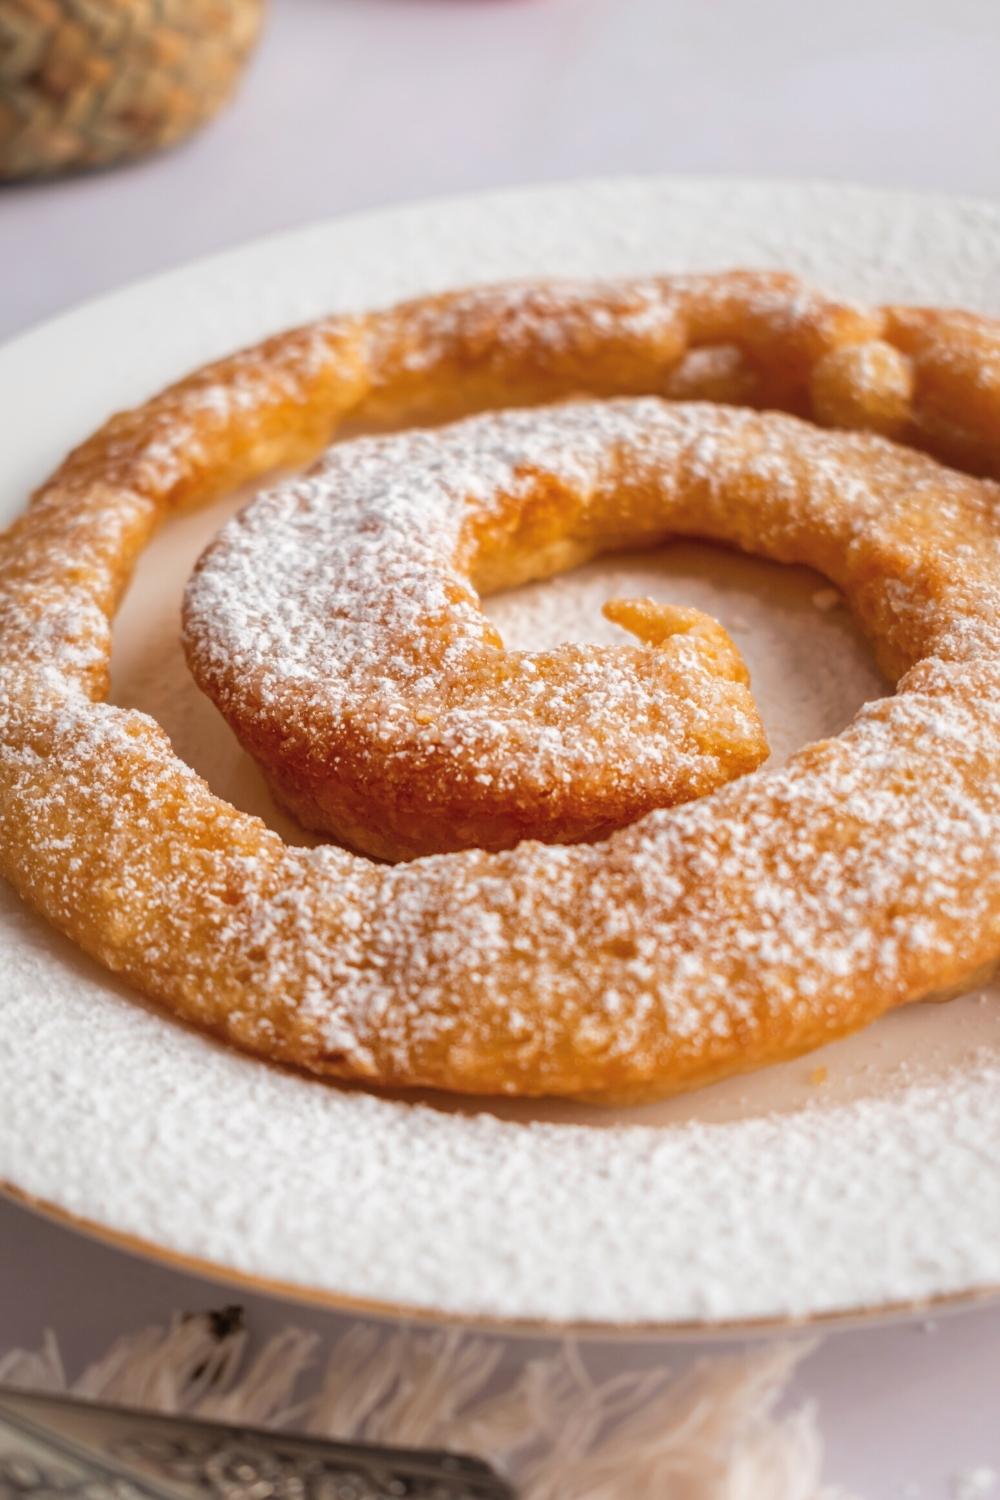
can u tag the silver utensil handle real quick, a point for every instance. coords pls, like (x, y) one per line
(60, 1448)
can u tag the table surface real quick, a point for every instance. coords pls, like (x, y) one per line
(350, 104)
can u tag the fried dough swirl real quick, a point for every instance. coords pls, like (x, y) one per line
(336, 626)
(785, 909)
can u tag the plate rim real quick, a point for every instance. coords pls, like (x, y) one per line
(443, 201)
(673, 1331)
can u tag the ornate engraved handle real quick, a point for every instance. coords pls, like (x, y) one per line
(57, 1448)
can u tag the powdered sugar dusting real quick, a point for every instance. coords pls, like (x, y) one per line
(337, 606)
(826, 1209)
(785, 911)
(822, 881)
(403, 1204)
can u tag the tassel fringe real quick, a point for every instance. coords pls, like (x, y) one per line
(711, 1433)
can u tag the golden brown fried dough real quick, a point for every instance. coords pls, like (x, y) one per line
(784, 910)
(336, 626)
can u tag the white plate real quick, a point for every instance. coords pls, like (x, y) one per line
(790, 1194)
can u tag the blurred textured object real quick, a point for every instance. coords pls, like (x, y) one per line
(84, 83)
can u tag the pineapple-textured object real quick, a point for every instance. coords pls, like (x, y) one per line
(84, 83)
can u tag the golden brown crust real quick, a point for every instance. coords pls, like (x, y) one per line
(786, 909)
(335, 624)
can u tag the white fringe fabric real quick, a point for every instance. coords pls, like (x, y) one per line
(711, 1433)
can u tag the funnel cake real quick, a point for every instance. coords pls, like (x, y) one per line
(336, 625)
(786, 909)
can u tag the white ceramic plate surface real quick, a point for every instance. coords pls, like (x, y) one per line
(863, 1178)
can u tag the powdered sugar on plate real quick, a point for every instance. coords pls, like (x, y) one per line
(764, 1198)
